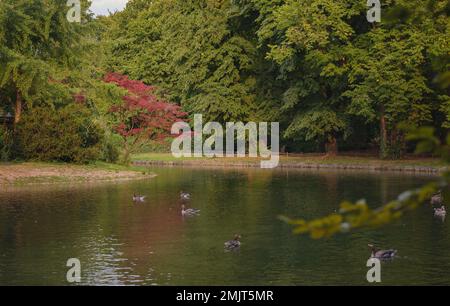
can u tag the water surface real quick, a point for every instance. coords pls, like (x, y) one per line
(122, 243)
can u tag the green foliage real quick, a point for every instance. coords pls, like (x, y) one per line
(316, 66)
(331, 60)
(316, 124)
(188, 49)
(163, 146)
(306, 40)
(66, 135)
(428, 142)
(51, 62)
(110, 148)
(36, 44)
(6, 143)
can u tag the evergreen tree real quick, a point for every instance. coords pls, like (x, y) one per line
(188, 49)
(37, 47)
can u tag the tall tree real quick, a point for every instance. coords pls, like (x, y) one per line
(306, 39)
(141, 116)
(188, 49)
(391, 72)
(338, 69)
(317, 66)
(37, 44)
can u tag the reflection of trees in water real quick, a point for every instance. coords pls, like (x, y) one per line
(150, 231)
(121, 242)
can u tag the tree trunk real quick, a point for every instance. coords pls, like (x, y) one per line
(18, 108)
(126, 153)
(126, 158)
(331, 146)
(383, 134)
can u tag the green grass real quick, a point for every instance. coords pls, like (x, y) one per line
(62, 175)
(161, 157)
(98, 165)
(306, 158)
(41, 180)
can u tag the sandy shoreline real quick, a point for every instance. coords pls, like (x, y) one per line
(31, 173)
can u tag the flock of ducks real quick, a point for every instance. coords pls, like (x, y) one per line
(230, 245)
(234, 244)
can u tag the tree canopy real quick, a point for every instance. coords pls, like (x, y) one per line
(333, 80)
(38, 48)
(317, 66)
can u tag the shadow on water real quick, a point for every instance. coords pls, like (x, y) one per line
(123, 243)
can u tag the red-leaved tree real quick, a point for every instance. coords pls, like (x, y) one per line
(141, 116)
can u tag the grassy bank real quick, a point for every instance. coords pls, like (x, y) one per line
(410, 164)
(50, 173)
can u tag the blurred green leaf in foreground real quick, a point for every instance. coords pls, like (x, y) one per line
(353, 216)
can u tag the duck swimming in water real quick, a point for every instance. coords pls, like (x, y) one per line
(437, 199)
(138, 198)
(185, 196)
(189, 212)
(233, 244)
(381, 254)
(440, 212)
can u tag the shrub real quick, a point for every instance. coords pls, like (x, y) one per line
(162, 146)
(110, 152)
(5, 144)
(66, 135)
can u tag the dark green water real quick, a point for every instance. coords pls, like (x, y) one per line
(121, 243)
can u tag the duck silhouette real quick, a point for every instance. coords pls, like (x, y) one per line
(382, 254)
(138, 198)
(185, 196)
(233, 244)
(189, 212)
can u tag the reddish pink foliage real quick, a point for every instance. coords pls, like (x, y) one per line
(141, 113)
(134, 87)
(79, 98)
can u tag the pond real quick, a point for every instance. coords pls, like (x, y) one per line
(119, 242)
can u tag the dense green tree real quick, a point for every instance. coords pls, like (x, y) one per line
(47, 61)
(339, 69)
(37, 47)
(390, 76)
(306, 39)
(66, 135)
(188, 49)
(316, 66)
